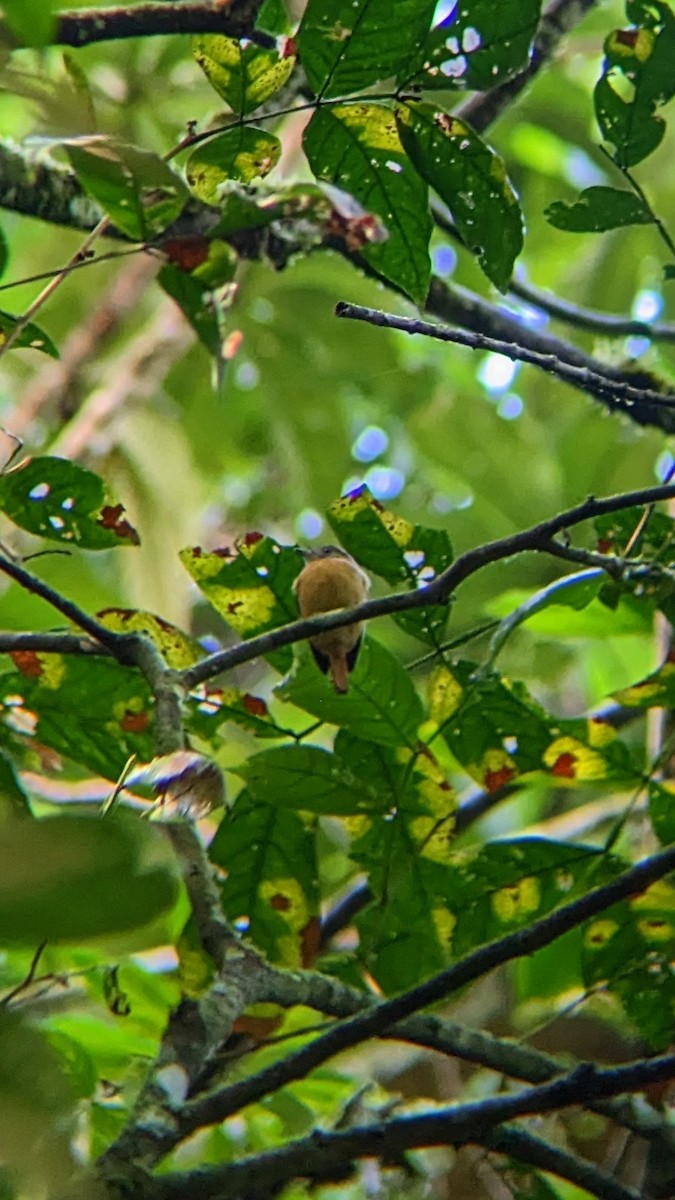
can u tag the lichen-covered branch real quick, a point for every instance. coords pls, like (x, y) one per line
(233, 18)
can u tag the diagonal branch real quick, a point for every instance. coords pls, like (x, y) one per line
(230, 1099)
(439, 591)
(323, 1152)
(615, 393)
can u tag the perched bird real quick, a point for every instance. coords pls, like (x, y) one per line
(333, 580)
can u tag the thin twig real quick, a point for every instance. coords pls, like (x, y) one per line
(439, 591)
(623, 395)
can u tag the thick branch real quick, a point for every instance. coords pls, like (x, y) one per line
(439, 591)
(228, 1100)
(322, 1153)
(609, 324)
(234, 18)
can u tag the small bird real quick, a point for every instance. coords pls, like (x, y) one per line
(332, 580)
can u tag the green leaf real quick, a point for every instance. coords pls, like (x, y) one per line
(310, 779)
(629, 950)
(243, 153)
(471, 179)
(498, 733)
(251, 586)
(32, 24)
(597, 209)
(270, 858)
(479, 46)
(36, 1107)
(348, 45)
(4, 252)
(662, 810)
(381, 706)
(357, 147)
(397, 550)
(506, 885)
(207, 713)
(64, 502)
(14, 801)
(195, 299)
(657, 690)
(67, 878)
(30, 338)
(638, 61)
(178, 648)
(138, 189)
(245, 76)
(96, 712)
(404, 933)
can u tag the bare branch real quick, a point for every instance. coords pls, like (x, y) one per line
(320, 1154)
(233, 18)
(613, 392)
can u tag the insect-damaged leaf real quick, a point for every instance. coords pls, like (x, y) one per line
(251, 587)
(499, 733)
(347, 45)
(30, 338)
(95, 712)
(597, 209)
(60, 500)
(471, 179)
(138, 189)
(643, 55)
(269, 854)
(629, 949)
(245, 76)
(478, 46)
(243, 153)
(397, 550)
(357, 147)
(178, 649)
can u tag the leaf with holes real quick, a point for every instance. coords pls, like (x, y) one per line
(138, 190)
(62, 501)
(597, 209)
(211, 707)
(251, 586)
(506, 885)
(244, 75)
(30, 338)
(381, 706)
(638, 60)
(479, 46)
(397, 550)
(269, 854)
(471, 179)
(243, 153)
(94, 711)
(348, 45)
(357, 148)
